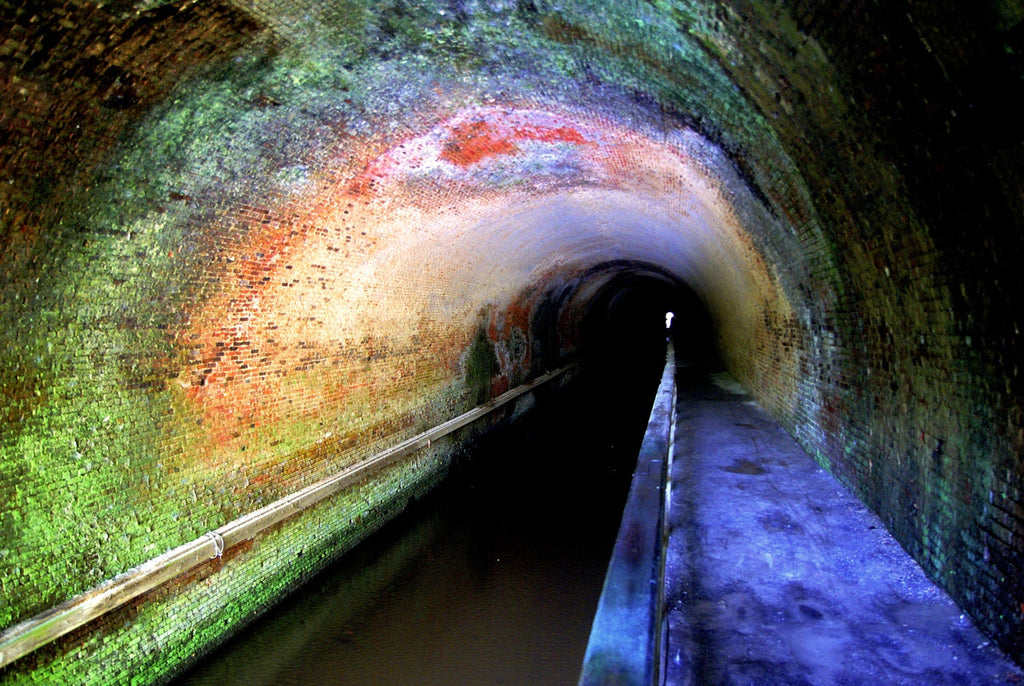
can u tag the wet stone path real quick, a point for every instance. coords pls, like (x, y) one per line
(776, 574)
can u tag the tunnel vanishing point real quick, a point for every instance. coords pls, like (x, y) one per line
(248, 245)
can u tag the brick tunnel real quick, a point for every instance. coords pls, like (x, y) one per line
(249, 245)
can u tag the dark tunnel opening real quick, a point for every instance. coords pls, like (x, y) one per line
(248, 246)
(495, 575)
(625, 329)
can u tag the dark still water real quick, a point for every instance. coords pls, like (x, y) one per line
(492, 579)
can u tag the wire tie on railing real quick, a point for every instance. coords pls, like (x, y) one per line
(218, 542)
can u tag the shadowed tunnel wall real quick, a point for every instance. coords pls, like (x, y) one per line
(246, 243)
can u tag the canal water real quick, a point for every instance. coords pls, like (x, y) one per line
(492, 579)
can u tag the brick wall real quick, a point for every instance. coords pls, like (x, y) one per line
(908, 388)
(242, 251)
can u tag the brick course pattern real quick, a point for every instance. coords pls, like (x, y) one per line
(246, 244)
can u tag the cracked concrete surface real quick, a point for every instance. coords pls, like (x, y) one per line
(776, 574)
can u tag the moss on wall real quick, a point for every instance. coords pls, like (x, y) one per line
(245, 244)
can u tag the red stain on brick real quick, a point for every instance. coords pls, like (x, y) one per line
(367, 183)
(474, 141)
(239, 373)
(232, 347)
(561, 134)
(499, 384)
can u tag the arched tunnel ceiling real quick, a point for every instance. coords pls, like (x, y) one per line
(247, 242)
(495, 201)
(469, 213)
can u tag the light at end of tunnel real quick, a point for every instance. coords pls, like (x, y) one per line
(668, 319)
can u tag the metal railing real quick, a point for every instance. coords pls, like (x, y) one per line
(23, 638)
(626, 638)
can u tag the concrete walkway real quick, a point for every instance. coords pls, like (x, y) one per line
(777, 575)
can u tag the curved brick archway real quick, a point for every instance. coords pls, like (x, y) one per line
(247, 243)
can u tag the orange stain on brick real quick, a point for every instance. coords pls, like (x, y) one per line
(276, 315)
(474, 141)
(560, 134)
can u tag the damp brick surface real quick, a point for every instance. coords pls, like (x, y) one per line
(244, 245)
